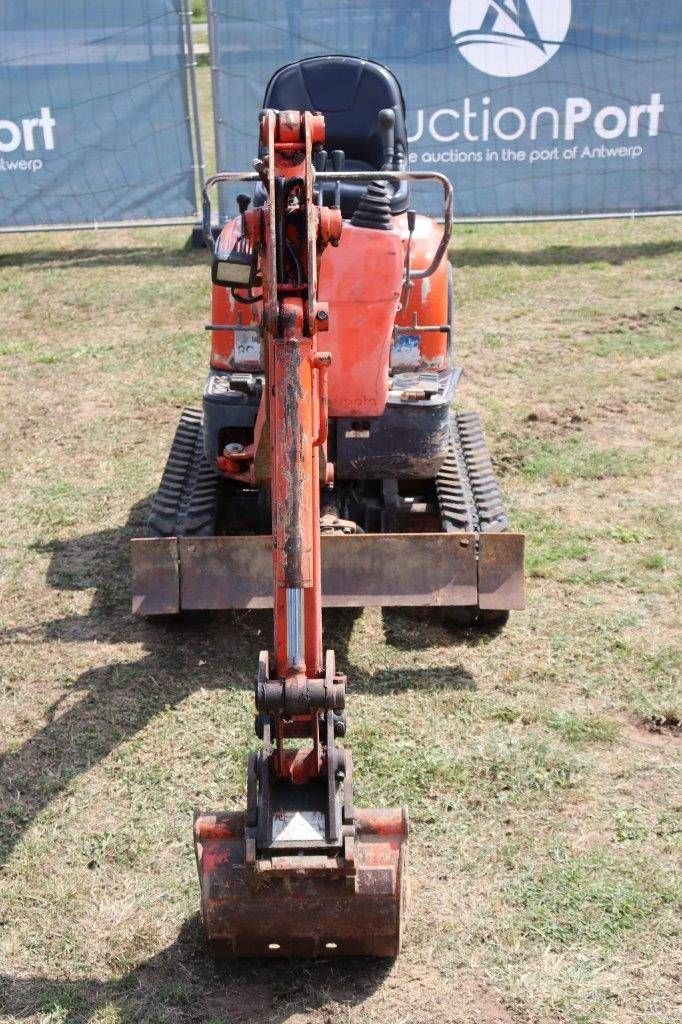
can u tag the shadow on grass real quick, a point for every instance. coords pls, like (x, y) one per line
(182, 983)
(409, 629)
(563, 255)
(109, 703)
(125, 256)
(551, 255)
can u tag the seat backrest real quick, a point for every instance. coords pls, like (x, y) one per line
(350, 92)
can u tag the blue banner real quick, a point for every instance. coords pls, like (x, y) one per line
(94, 117)
(531, 107)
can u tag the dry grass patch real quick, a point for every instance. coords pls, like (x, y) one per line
(545, 809)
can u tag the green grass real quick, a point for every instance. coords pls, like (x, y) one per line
(590, 899)
(633, 345)
(540, 764)
(562, 462)
(551, 545)
(580, 729)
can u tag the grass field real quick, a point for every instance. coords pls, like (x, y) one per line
(540, 764)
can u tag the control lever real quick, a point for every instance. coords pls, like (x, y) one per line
(320, 163)
(407, 282)
(387, 132)
(338, 164)
(320, 160)
(243, 203)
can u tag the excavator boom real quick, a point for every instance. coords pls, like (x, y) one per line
(301, 872)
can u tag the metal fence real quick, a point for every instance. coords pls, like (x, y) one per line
(533, 108)
(96, 124)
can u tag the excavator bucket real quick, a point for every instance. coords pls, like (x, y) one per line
(282, 907)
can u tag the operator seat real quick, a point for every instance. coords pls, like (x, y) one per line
(350, 92)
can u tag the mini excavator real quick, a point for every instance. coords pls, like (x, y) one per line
(326, 468)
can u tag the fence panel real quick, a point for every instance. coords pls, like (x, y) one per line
(94, 115)
(532, 107)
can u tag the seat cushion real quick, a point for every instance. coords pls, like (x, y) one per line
(350, 92)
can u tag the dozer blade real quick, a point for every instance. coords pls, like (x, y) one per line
(303, 906)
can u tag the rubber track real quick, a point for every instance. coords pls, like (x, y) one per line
(468, 493)
(455, 496)
(186, 502)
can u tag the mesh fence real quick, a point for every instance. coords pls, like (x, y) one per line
(531, 107)
(94, 117)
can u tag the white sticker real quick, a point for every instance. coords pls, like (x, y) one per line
(297, 826)
(405, 354)
(247, 348)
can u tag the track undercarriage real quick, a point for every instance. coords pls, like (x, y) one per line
(200, 521)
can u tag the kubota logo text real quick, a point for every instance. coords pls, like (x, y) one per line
(508, 38)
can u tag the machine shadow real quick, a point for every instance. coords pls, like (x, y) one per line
(551, 255)
(109, 703)
(564, 255)
(133, 256)
(409, 629)
(182, 982)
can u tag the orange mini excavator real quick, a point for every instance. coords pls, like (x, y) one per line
(325, 469)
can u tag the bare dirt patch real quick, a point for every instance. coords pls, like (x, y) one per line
(666, 725)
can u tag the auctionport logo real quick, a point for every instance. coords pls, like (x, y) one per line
(26, 136)
(509, 38)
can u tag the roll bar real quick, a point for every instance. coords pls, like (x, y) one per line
(368, 176)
